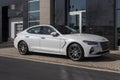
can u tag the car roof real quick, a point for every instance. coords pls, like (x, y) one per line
(37, 26)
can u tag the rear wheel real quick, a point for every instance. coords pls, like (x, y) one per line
(23, 48)
(75, 52)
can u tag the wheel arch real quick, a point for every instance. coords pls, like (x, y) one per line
(21, 41)
(73, 43)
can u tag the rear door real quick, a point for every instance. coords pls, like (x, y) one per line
(33, 38)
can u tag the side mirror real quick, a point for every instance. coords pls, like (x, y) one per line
(54, 34)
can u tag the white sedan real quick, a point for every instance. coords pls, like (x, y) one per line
(61, 40)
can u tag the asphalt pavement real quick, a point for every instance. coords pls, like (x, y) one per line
(18, 69)
(110, 62)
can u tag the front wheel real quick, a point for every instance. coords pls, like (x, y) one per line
(75, 52)
(23, 48)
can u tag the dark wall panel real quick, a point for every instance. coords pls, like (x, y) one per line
(60, 12)
(5, 28)
(25, 14)
(4, 16)
(0, 24)
(100, 19)
(8, 2)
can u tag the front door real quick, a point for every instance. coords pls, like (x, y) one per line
(77, 20)
(48, 43)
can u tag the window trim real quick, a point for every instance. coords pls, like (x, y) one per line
(34, 11)
(33, 1)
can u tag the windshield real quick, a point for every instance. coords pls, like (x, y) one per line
(66, 30)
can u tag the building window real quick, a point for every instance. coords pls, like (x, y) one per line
(33, 12)
(77, 5)
(73, 20)
(34, 16)
(118, 13)
(118, 20)
(68, 6)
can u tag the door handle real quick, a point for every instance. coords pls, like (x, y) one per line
(27, 36)
(42, 37)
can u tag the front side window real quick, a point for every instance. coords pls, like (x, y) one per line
(35, 30)
(46, 30)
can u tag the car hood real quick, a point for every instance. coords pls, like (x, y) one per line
(89, 37)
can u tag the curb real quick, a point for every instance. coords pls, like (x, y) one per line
(64, 64)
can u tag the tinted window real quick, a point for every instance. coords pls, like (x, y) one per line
(35, 30)
(46, 30)
(65, 29)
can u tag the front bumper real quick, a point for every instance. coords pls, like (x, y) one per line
(99, 54)
(97, 50)
(103, 53)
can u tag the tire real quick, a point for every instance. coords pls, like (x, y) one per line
(75, 52)
(23, 48)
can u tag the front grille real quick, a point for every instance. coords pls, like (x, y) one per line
(105, 52)
(105, 45)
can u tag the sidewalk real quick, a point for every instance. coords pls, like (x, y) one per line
(108, 62)
(6, 44)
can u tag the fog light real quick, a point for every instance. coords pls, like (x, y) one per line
(92, 50)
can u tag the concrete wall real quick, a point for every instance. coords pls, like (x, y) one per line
(45, 11)
(101, 19)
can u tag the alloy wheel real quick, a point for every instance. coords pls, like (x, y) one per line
(23, 48)
(75, 52)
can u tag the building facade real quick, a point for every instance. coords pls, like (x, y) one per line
(101, 17)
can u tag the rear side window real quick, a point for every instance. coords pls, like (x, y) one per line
(35, 30)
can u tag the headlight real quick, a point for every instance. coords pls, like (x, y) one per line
(90, 42)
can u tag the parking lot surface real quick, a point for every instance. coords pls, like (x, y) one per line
(17, 69)
(110, 62)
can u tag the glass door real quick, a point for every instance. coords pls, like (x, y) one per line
(77, 15)
(18, 27)
(77, 20)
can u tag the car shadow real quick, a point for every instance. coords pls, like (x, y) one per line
(49, 55)
(106, 58)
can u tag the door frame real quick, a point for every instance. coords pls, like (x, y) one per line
(79, 13)
(12, 23)
(13, 28)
